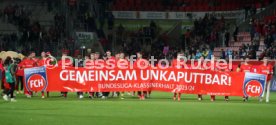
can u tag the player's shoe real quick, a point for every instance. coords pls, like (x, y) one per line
(13, 100)
(143, 97)
(199, 99)
(81, 97)
(115, 95)
(212, 99)
(245, 99)
(6, 98)
(261, 99)
(28, 96)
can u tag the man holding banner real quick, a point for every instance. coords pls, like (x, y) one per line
(65, 63)
(28, 62)
(42, 62)
(266, 69)
(141, 63)
(179, 64)
(245, 67)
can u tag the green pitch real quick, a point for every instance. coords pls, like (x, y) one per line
(160, 109)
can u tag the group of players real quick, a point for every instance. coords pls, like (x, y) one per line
(15, 69)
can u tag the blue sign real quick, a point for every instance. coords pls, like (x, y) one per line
(36, 79)
(254, 84)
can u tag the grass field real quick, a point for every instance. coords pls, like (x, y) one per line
(160, 109)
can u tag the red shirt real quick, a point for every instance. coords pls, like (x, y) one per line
(1, 67)
(111, 61)
(89, 64)
(41, 62)
(68, 63)
(99, 64)
(211, 67)
(178, 64)
(122, 63)
(264, 69)
(225, 68)
(246, 68)
(143, 63)
(111, 57)
(198, 65)
(25, 63)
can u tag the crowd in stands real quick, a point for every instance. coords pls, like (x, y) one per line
(264, 29)
(208, 33)
(30, 35)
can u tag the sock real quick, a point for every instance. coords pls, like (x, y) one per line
(174, 95)
(199, 96)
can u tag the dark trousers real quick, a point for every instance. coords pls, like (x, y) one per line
(79, 93)
(140, 93)
(105, 94)
(19, 82)
(11, 90)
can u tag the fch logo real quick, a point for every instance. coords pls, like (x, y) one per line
(36, 83)
(254, 84)
(253, 88)
(36, 79)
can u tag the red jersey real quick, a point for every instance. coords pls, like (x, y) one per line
(198, 65)
(42, 62)
(89, 64)
(1, 67)
(141, 63)
(111, 62)
(224, 68)
(264, 69)
(122, 64)
(25, 63)
(68, 63)
(112, 57)
(246, 68)
(210, 66)
(99, 63)
(179, 64)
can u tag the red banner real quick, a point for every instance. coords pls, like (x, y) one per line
(166, 80)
